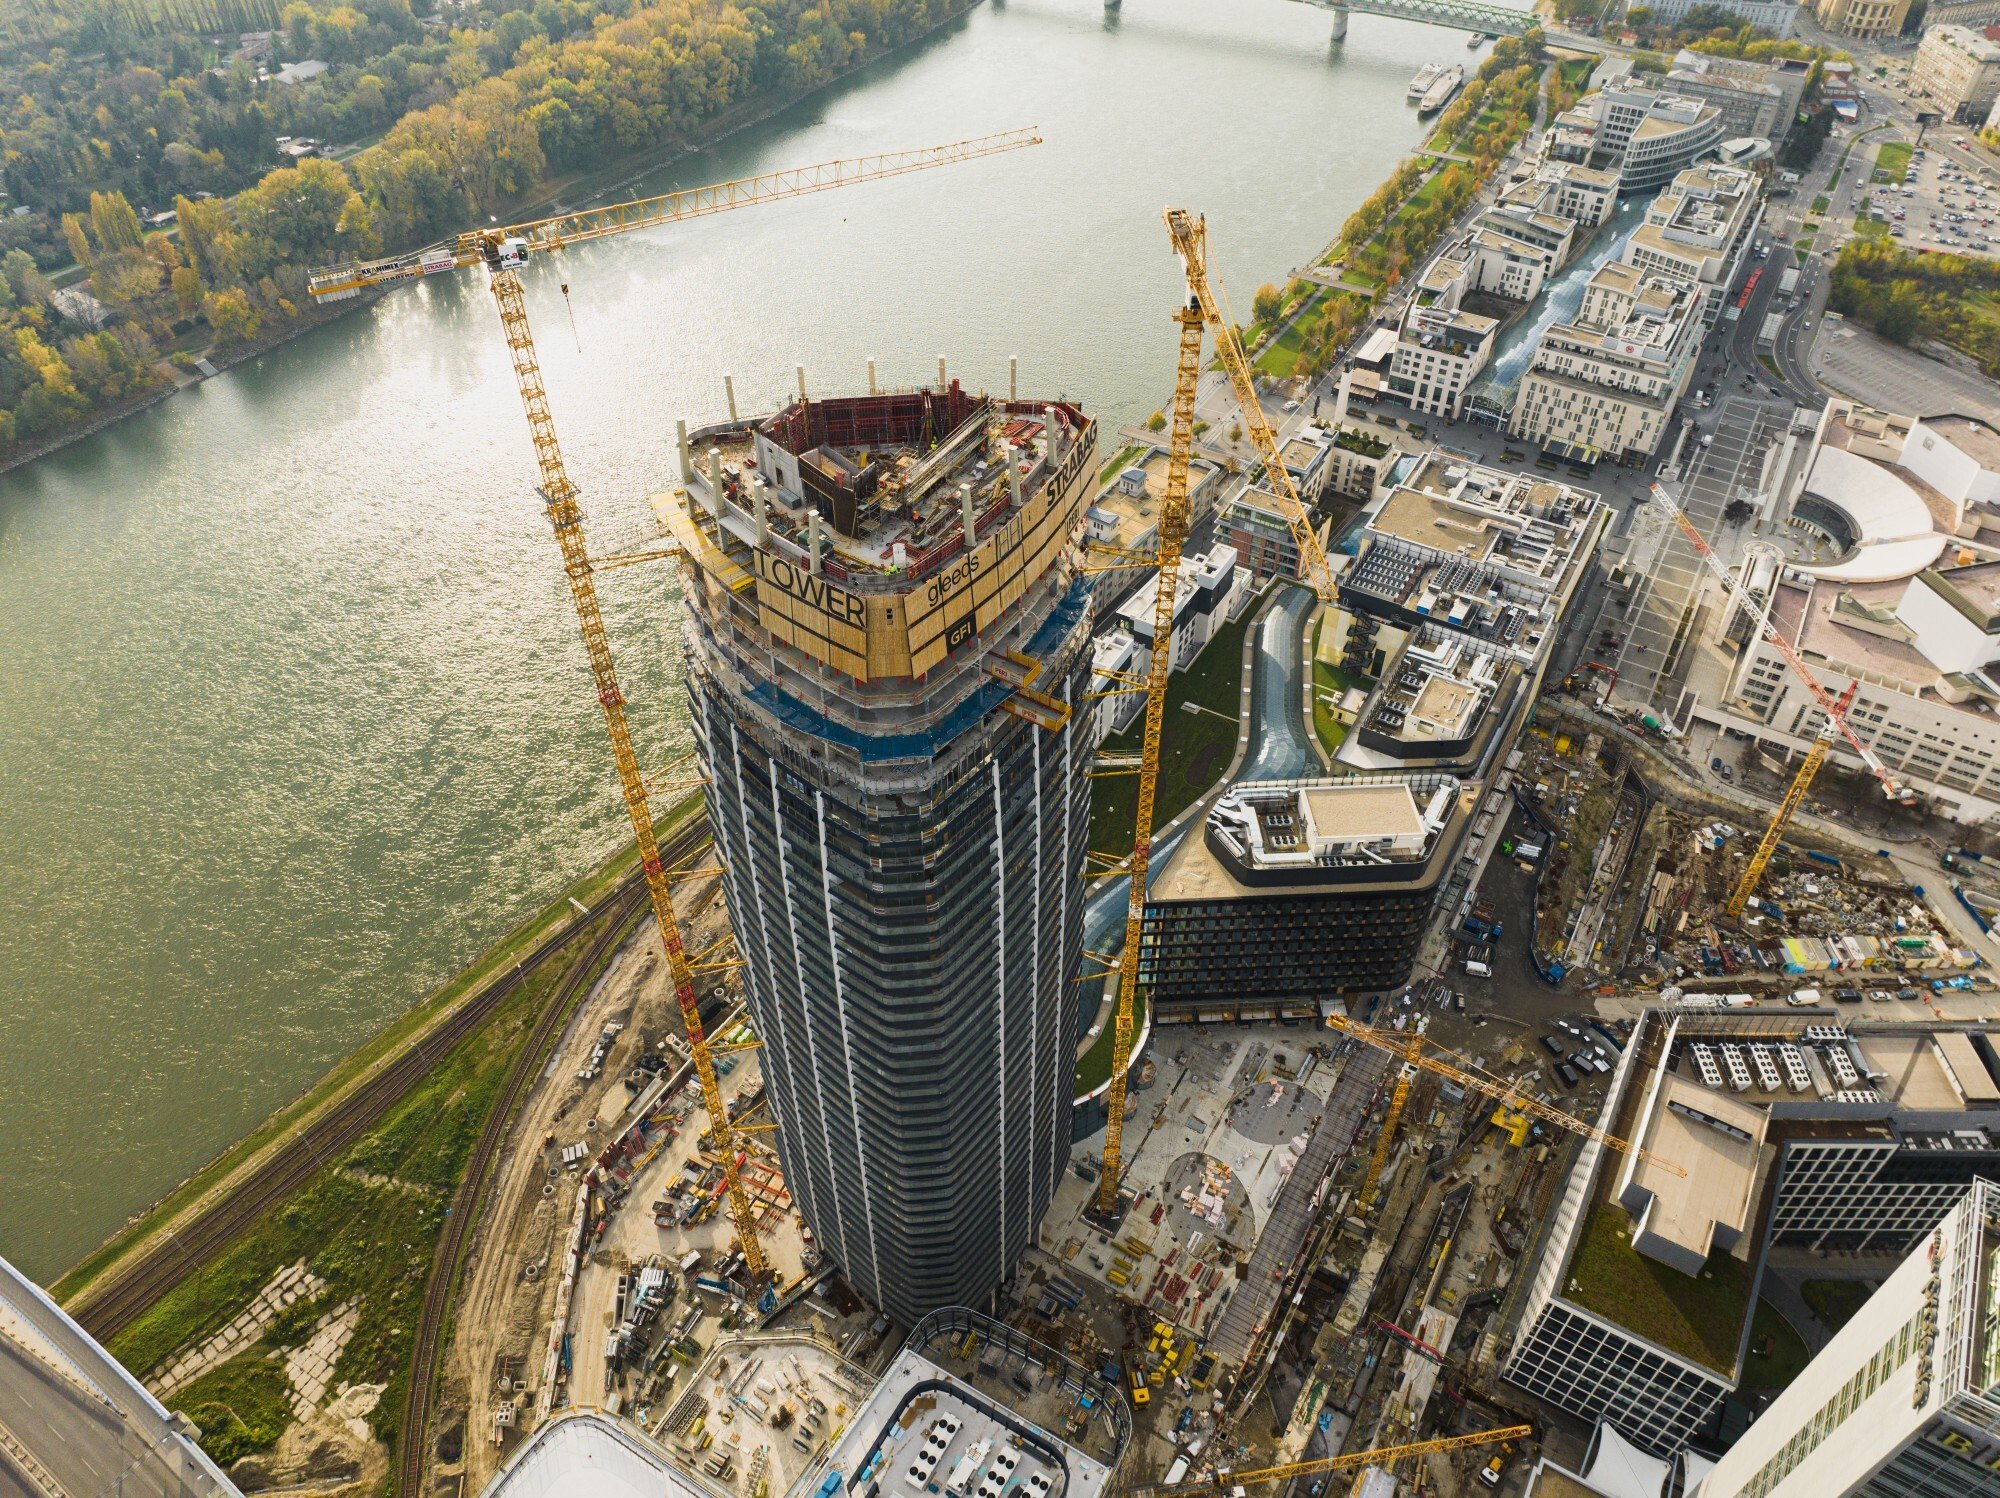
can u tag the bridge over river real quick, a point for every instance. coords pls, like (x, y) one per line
(1459, 15)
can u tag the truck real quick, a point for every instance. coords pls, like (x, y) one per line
(1479, 960)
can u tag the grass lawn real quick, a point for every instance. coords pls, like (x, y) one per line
(1834, 1302)
(1821, 203)
(1805, 242)
(1329, 678)
(241, 1407)
(1280, 356)
(367, 1224)
(1195, 747)
(1892, 162)
(1093, 1067)
(503, 954)
(1788, 1356)
(1871, 228)
(1700, 1318)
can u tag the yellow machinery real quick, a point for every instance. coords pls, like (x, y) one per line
(1410, 1048)
(502, 252)
(1223, 1481)
(1201, 309)
(1795, 795)
(1384, 1139)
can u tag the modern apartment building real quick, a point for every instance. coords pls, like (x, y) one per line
(1604, 383)
(1754, 98)
(1904, 1402)
(1973, 13)
(1906, 606)
(1440, 347)
(888, 644)
(1212, 590)
(1867, 19)
(1957, 72)
(1564, 189)
(1760, 1128)
(1254, 522)
(1699, 230)
(1647, 135)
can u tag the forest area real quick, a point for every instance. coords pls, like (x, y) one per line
(172, 169)
(1914, 297)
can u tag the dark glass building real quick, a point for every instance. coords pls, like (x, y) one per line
(1297, 890)
(887, 636)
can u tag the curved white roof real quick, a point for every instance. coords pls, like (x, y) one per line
(1894, 533)
(1618, 1469)
(589, 1455)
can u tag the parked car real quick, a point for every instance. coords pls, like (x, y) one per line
(1552, 1046)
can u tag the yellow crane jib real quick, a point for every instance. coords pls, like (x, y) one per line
(1795, 795)
(510, 247)
(1224, 1480)
(1411, 1048)
(1190, 236)
(503, 251)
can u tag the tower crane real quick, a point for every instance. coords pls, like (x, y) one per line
(1835, 715)
(1201, 309)
(1411, 1049)
(503, 251)
(1385, 1139)
(1795, 794)
(1224, 1480)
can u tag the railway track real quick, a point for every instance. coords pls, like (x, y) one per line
(425, 1356)
(291, 1163)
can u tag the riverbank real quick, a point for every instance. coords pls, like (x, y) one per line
(546, 199)
(409, 1030)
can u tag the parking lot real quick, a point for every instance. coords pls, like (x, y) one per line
(1939, 206)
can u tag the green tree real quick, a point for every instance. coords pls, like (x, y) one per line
(1267, 303)
(229, 312)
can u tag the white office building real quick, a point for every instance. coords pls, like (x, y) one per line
(1904, 602)
(1905, 1400)
(1212, 590)
(1699, 230)
(1760, 1129)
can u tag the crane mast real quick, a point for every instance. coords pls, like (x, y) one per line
(1222, 1481)
(502, 251)
(1827, 705)
(1795, 795)
(1410, 1048)
(1201, 309)
(1190, 236)
(1173, 528)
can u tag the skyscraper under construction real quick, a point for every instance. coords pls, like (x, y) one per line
(887, 654)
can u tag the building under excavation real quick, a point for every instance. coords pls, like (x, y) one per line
(888, 634)
(1299, 889)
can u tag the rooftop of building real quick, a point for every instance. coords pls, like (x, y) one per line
(588, 1454)
(1197, 570)
(940, 1409)
(1436, 694)
(1524, 522)
(1731, 1084)
(1443, 330)
(1890, 522)
(1269, 837)
(1975, 44)
(891, 478)
(1134, 516)
(1971, 436)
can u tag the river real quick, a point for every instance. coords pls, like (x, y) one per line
(293, 716)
